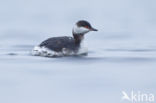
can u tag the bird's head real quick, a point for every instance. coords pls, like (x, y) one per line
(82, 27)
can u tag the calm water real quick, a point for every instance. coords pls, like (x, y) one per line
(122, 54)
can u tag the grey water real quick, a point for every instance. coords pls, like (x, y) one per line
(122, 54)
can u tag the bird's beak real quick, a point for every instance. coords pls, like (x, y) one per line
(93, 29)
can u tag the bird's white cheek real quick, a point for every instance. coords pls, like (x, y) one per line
(83, 30)
(80, 30)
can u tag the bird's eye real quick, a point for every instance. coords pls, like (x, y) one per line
(87, 27)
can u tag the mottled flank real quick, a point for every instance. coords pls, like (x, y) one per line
(46, 52)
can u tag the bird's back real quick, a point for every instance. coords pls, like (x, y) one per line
(58, 43)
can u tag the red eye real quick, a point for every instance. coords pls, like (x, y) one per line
(87, 27)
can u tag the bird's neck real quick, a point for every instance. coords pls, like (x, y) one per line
(78, 38)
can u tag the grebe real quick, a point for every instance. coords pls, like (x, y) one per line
(65, 45)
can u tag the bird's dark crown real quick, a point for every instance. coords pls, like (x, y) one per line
(83, 23)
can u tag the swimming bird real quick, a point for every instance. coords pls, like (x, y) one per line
(65, 45)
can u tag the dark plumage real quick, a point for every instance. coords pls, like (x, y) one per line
(83, 23)
(58, 43)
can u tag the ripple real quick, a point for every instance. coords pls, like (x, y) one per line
(12, 54)
(132, 50)
(85, 59)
